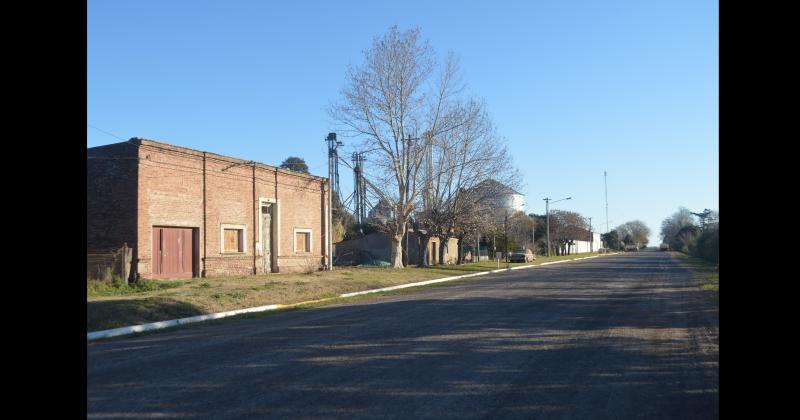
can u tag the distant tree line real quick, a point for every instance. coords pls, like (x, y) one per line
(696, 234)
(634, 232)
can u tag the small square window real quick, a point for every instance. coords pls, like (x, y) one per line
(302, 242)
(233, 240)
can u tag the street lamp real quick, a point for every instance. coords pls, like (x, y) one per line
(547, 211)
(505, 233)
(533, 234)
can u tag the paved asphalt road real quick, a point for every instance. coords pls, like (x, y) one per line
(622, 336)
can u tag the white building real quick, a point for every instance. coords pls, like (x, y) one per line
(580, 247)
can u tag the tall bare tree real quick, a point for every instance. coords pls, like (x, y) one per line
(392, 103)
(457, 162)
(405, 107)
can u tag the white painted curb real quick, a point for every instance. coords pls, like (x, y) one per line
(199, 318)
(173, 322)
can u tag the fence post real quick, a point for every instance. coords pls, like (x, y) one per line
(124, 261)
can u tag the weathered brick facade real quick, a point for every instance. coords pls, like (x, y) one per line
(111, 184)
(177, 187)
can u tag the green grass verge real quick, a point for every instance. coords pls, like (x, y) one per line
(113, 305)
(706, 272)
(120, 288)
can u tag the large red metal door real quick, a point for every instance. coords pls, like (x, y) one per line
(173, 254)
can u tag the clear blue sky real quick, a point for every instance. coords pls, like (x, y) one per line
(575, 87)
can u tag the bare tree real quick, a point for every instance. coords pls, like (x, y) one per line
(395, 105)
(471, 223)
(565, 228)
(520, 227)
(679, 230)
(458, 161)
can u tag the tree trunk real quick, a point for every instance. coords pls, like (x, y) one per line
(397, 251)
(460, 258)
(442, 247)
(423, 250)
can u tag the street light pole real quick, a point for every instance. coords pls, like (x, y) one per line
(505, 233)
(533, 235)
(547, 210)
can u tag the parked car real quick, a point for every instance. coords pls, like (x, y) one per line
(631, 248)
(664, 247)
(521, 255)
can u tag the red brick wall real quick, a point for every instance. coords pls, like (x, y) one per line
(171, 194)
(111, 182)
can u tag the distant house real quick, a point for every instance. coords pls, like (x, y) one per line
(382, 212)
(191, 213)
(591, 243)
(378, 246)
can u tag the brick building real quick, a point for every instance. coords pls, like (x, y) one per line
(190, 213)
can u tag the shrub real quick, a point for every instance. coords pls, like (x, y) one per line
(706, 245)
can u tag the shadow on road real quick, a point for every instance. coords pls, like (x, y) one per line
(577, 342)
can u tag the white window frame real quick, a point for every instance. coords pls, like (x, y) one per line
(222, 228)
(276, 226)
(310, 232)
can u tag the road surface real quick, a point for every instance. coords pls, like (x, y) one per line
(620, 336)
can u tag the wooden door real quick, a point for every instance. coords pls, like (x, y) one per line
(173, 252)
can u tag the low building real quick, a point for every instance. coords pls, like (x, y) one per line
(378, 246)
(579, 247)
(191, 213)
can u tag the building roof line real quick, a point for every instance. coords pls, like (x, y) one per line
(139, 141)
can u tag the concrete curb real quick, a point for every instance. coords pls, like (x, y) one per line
(199, 318)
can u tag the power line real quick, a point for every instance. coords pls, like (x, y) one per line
(104, 131)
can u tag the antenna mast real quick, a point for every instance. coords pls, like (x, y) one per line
(605, 180)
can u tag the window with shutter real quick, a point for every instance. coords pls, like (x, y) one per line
(233, 240)
(302, 244)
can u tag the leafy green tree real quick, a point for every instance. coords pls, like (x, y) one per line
(611, 239)
(706, 244)
(296, 164)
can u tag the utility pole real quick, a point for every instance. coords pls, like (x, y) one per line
(533, 235)
(605, 181)
(505, 233)
(547, 210)
(591, 236)
(477, 247)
